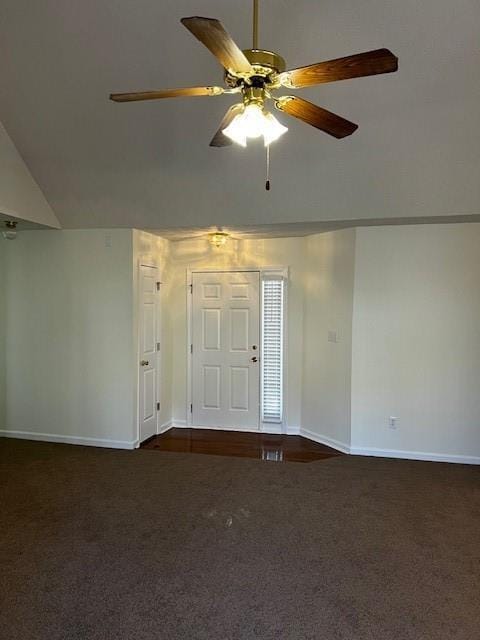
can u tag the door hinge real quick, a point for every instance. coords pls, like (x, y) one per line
(191, 348)
(158, 406)
(191, 288)
(158, 346)
(158, 285)
(191, 408)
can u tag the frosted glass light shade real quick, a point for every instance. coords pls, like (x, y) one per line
(272, 129)
(253, 122)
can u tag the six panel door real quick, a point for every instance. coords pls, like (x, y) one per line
(225, 361)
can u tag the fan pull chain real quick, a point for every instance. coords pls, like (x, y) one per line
(267, 181)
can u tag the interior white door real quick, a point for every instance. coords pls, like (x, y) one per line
(147, 352)
(225, 347)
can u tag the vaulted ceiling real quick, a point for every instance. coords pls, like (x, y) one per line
(416, 152)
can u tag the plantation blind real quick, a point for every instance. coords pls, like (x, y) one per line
(272, 349)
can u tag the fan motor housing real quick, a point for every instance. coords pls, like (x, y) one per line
(266, 64)
(270, 60)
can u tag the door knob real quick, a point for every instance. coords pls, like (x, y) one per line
(144, 363)
(254, 359)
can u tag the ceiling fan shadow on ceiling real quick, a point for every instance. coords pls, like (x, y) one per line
(257, 75)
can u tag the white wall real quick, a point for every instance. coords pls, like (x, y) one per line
(198, 253)
(416, 341)
(69, 349)
(329, 277)
(20, 196)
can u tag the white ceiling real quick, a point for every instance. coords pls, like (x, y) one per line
(298, 229)
(148, 165)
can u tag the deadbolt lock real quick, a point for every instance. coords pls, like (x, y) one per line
(254, 347)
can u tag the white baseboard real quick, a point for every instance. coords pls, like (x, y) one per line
(321, 439)
(271, 427)
(179, 424)
(164, 427)
(265, 427)
(389, 453)
(274, 429)
(55, 437)
(293, 431)
(414, 455)
(182, 424)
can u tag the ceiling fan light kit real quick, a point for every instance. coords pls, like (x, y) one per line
(254, 122)
(256, 75)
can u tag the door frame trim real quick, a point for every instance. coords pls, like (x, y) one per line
(278, 271)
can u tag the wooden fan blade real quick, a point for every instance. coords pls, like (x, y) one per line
(213, 35)
(220, 139)
(369, 63)
(166, 93)
(318, 117)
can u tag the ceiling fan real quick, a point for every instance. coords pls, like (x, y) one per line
(256, 75)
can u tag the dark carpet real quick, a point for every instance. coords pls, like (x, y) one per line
(100, 544)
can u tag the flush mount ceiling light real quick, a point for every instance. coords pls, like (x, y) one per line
(10, 232)
(218, 238)
(257, 74)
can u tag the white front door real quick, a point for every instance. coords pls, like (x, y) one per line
(147, 351)
(226, 354)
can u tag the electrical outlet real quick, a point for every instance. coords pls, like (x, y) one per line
(392, 422)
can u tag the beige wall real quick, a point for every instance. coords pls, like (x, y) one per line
(195, 254)
(68, 340)
(416, 340)
(69, 350)
(329, 278)
(71, 353)
(20, 196)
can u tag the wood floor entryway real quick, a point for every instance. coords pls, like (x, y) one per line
(263, 446)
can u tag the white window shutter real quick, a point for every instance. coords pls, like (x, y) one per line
(272, 350)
